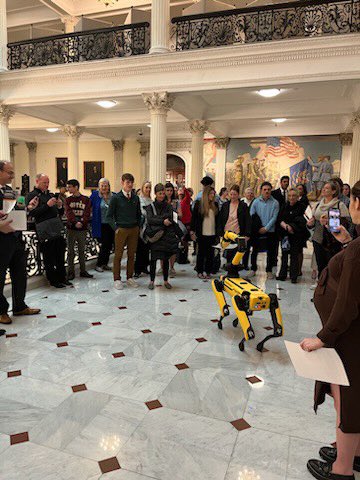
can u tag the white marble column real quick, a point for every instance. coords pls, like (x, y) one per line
(3, 36)
(160, 19)
(197, 129)
(73, 133)
(13, 161)
(144, 160)
(5, 114)
(118, 163)
(355, 151)
(70, 23)
(32, 148)
(220, 169)
(159, 104)
(346, 142)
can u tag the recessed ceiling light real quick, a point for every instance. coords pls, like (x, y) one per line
(52, 130)
(106, 103)
(278, 120)
(269, 92)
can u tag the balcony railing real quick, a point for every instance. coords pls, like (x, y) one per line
(272, 22)
(111, 42)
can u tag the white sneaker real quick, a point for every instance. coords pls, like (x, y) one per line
(99, 269)
(118, 285)
(313, 286)
(131, 283)
(270, 276)
(251, 274)
(172, 272)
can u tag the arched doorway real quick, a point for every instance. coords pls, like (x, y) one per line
(175, 169)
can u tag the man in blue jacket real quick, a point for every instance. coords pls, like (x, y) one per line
(267, 210)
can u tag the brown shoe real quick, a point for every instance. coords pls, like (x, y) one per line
(4, 318)
(27, 311)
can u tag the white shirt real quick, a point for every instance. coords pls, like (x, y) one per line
(284, 193)
(209, 224)
(126, 194)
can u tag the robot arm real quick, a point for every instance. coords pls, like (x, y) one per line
(231, 237)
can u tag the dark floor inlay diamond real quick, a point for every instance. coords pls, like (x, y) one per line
(51, 316)
(109, 465)
(105, 291)
(11, 335)
(79, 388)
(215, 320)
(62, 344)
(201, 340)
(143, 295)
(166, 314)
(82, 301)
(146, 331)
(268, 328)
(122, 308)
(96, 323)
(183, 300)
(240, 424)
(15, 373)
(182, 366)
(195, 289)
(19, 438)
(153, 404)
(118, 354)
(253, 379)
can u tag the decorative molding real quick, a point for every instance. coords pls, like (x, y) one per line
(73, 131)
(158, 102)
(346, 138)
(118, 145)
(355, 121)
(182, 145)
(198, 127)
(144, 147)
(69, 20)
(12, 149)
(222, 142)
(32, 146)
(6, 113)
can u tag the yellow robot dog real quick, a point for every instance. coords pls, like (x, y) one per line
(246, 297)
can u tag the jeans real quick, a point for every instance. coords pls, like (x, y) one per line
(53, 252)
(79, 237)
(293, 253)
(205, 256)
(271, 242)
(106, 243)
(13, 256)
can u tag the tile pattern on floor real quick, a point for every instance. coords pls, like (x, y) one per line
(130, 385)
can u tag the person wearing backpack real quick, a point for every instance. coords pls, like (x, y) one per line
(161, 228)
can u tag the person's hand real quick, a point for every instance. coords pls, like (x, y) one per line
(342, 235)
(51, 202)
(283, 225)
(167, 222)
(59, 203)
(289, 229)
(311, 344)
(311, 222)
(6, 227)
(78, 225)
(247, 238)
(262, 230)
(33, 203)
(193, 236)
(2, 214)
(324, 219)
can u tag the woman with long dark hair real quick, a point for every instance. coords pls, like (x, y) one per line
(303, 198)
(203, 229)
(143, 249)
(171, 199)
(337, 300)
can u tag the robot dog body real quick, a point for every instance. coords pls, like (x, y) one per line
(246, 298)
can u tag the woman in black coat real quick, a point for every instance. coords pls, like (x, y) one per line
(303, 198)
(293, 229)
(160, 218)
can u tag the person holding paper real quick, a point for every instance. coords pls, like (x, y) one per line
(12, 257)
(337, 300)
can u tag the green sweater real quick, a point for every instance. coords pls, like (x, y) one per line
(126, 213)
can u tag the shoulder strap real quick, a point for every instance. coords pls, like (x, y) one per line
(153, 208)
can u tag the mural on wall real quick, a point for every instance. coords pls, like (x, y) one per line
(210, 157)
(309, 160)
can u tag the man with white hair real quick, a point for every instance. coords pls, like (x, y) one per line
(52, 243)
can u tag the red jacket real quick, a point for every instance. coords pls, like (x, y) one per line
(186, 207)
(77, 209)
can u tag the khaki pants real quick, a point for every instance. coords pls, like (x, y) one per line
(129, 237)
(79, 237)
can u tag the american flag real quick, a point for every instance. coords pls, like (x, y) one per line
(282, 146)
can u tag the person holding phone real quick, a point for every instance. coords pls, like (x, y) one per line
(337, 300)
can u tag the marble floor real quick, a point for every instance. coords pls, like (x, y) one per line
(139, 385)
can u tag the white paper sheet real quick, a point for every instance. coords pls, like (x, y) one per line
(323, 364)
(175, 217)
(18, 218)
(308, 214)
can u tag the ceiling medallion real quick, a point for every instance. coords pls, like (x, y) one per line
(108, 3)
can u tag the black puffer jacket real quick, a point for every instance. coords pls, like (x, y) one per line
(294, 216)
(168, 243)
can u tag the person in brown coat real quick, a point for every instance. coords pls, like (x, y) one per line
(337, 300)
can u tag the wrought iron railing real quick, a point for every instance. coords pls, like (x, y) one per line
(111, 42)
(272, 22)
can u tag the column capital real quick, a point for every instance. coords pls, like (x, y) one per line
(6, 112)
(158, 102)
(70, 20)
(73, 131)
(32, 146)
(198, 126)
(118, 145)
(355, 121)
(346, 138)
(222, 143)
(12, 149)
(144, 147)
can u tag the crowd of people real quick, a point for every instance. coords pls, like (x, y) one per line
(159, 225)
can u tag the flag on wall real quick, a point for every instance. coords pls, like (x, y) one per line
(282, 147)
(301, 173)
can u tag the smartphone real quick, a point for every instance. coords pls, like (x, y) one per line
(334, 220)
(57, 196)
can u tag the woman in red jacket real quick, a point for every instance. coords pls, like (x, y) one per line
(185, 204)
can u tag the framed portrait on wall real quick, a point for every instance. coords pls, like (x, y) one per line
(61, 171)
(93, 172)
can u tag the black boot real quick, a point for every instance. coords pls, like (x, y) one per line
(322, 471)
(329, 454)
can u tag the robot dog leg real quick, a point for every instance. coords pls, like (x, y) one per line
(239, 305)
(218, 289)
(276, 318)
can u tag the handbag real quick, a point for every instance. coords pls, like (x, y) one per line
(285, 244)
(50, 229)
(150, 234)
